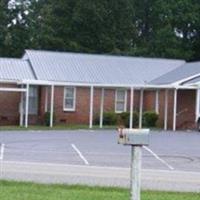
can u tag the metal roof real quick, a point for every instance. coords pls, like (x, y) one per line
(103, 69)
(179, 74)
(15, 69)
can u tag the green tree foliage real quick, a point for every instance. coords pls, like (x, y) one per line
(3, 25)
(149, 28)
(167, 28)
(16, 30)
(89, 26)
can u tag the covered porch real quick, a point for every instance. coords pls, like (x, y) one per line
(169, 94)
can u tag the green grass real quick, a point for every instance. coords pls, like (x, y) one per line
(29, 191)
(57, 127)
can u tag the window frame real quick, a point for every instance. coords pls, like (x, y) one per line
(124, 101)
(74, 99)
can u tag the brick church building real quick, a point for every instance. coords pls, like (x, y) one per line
(76, 87)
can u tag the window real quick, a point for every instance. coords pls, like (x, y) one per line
(120, 100)
(69, 99)
(33, 100)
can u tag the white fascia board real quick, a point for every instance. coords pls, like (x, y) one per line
(186, 79)
(9, 81)
(56, 83)
(4, 89)
(196, 85)
(135, 86)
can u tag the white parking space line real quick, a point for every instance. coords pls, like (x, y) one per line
(80, 154)
(2, 151)
(1, 159)
(158, 158)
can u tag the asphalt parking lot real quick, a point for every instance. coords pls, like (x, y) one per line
(171, 162)
(181, 150)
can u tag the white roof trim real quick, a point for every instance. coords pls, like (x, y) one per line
(4, 89)
(9, 81)
(186, 79)
(197, 84)
(147, 86)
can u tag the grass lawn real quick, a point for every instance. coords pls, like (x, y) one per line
(30, 191)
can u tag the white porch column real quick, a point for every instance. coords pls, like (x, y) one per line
(27, 105)
(46, 98)
(157, 102)
(21, 109)
(52, 106)
(141, 107)
(166, 110)
(197, 104)
(131, 107)
(175, 110)
(91, 106)
(101, 108)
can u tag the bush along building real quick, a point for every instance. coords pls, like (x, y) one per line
(49, 88)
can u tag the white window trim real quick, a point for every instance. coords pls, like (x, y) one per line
(74, 100)
(125, 101)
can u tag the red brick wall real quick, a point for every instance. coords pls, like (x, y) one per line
(149, 105)
(9, 106)
(185, 107)
(81, 113)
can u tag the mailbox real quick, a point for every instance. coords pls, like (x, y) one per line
(135, 137)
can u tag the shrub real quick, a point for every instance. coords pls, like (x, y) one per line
(125, 117)
(135, 119)
(47, 118)
(96, 119)
(120, 119)
(150, 118)
(110, 118)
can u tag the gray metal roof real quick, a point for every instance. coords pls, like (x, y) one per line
(180, 73)
(104, 69)
(15, 69)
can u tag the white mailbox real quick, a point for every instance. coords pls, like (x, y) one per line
(135, 137)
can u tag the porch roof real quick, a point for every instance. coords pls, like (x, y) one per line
(184, 74)
(15, 69)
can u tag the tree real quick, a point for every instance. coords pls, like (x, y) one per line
(149, 28)
(166, 28)
(3, 25)
(103, 26)
(90, 26)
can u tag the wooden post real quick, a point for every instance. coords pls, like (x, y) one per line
(52, 106)
(27, 106)
(101, 108)
(157, 102)
(91, 106)
(46, 98)
(197, 104)
(141, 107)
(175, 110)
(21, 109)
(131, 108)
(166, 110)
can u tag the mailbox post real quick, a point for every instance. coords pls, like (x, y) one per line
(136, 138)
